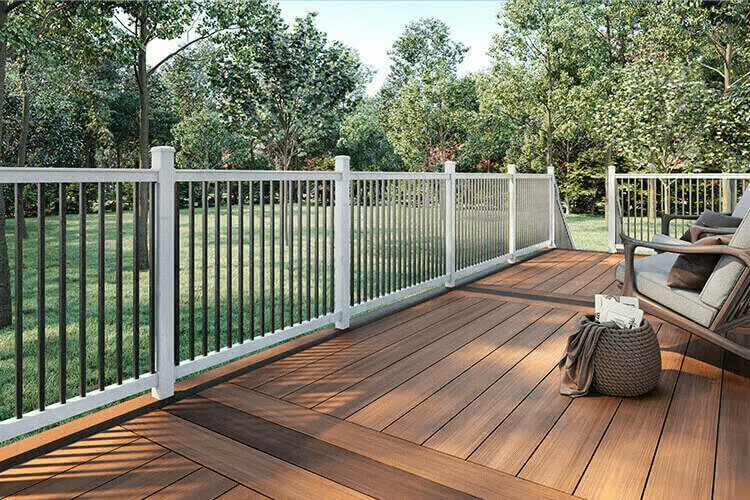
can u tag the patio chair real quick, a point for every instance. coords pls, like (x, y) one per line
(743, 204)
(722, 304)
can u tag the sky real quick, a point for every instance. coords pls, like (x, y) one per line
(371, 26)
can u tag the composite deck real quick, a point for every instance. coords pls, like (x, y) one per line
(455, 397)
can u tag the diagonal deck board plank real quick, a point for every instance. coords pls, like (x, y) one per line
(243, 464)
(357, 396)
(583, 280)
(444, 469)
(332, 462)
(524, 270)
(511, 444)
(683, 466)
(601, 283)
(145, 480)
(569, 274)
(45, 466)
(466, 431)
(309, 356)
(634, 433)
(384, 411)
(201, 484)
(553, 272)
(240, 492)
(87, 476)
(520, 266)
(732, 479)
(332, 384)
(562, 457)
(439, 409)
(302, 377)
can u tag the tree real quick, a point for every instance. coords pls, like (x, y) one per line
(423, 102)
(140, 23)
(291, 87)
(657, 115)
(365, 141)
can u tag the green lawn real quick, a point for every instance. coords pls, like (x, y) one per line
(589, 232)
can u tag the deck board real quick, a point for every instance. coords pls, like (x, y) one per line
(635, 430)
(395, 403)
(253, 468)
(441, 408)
(684, 462)
(457, 396)
(450, 471)
(58, 461)
(92, 474)
(309, 374)
(337, 464)
(198, 485)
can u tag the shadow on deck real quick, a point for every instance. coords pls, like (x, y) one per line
(455, 397)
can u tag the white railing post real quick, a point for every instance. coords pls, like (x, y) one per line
(450, 224)
(512, 213)
(552, 207)
(341, 245)
(162, 160)
(611, 208)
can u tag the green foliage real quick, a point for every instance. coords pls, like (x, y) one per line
(425, 107)
(291, 87)
(365, 141)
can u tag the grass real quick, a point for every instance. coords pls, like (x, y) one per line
(216, 314)
(589, 232)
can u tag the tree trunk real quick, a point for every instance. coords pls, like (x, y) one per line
(6, 313)
(143, 138)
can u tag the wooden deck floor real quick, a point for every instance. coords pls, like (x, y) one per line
(456, 397)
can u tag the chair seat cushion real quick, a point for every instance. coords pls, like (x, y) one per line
(651, 275)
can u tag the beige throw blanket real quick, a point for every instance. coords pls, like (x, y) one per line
(577, 366)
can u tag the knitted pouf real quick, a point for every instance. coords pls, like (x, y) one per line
(627, 362)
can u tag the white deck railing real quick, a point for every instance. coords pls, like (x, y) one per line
(240, 260)
(637, 202)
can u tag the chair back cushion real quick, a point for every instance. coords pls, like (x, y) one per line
(743, 205)
(727, 272)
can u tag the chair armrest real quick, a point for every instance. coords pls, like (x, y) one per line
(630, 244)
(666, 219)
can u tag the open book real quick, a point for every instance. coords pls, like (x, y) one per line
(623, 311)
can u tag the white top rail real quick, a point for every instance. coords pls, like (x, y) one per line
(684, 176)
(369, 176)
(253, 175)
(32, 175)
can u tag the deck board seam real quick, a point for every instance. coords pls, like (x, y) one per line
(166, 452)
(354, 343)
(458, 375)
(470, 339)
(601, 438)
(498, 378)
(479, 445)
(304, 467)
(691, 338)
(718, 421)
(479, 302)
